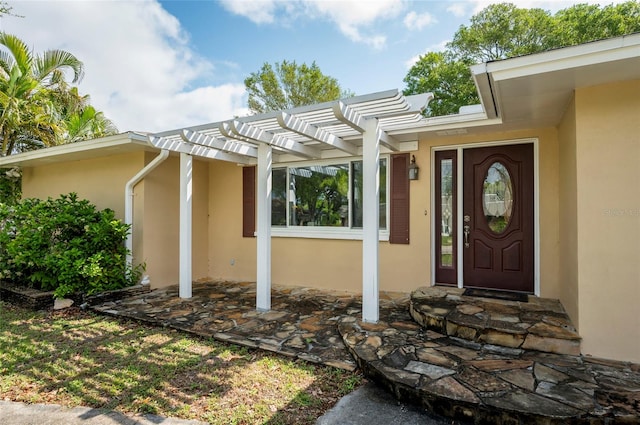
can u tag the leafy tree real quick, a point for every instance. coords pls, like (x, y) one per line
(503, 31)
(287, 85)
(584, 22)
(447, 78)
(5, 9)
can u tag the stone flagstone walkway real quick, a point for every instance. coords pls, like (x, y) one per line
(301, 324)
(470, 380)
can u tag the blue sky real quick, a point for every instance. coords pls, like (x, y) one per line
(156, 65)
(375, 59)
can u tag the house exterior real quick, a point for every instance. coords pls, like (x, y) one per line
(536, 191)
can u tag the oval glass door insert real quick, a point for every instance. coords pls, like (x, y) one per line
(497, 197)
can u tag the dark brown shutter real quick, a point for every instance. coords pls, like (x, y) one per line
(248, 202)
(399, 231)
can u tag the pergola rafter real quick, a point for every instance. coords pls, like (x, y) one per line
(224, 145)
(256, 133)
(198, 150)
(304, 128)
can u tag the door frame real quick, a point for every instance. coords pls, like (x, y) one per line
(459, 185)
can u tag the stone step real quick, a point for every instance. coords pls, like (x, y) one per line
(488, 384)
(540, 324)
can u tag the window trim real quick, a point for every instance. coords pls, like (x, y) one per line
(330, 232)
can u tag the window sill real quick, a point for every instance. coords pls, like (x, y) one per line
(324, 233)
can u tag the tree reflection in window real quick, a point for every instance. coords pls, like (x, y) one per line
(356, 173)
(497, 197)
(279, 197)
(319, 195)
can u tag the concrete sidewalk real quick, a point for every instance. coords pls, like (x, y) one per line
(12, 413)
(368, 405)
(371, 405)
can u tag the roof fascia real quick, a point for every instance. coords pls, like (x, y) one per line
(71, 148)
(593, 53)
(484, 86)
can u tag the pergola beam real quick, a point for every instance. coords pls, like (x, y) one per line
(389, 142)
(198, 150)
(354, 119)
(224, 145)
(348, 116)
(300, 126)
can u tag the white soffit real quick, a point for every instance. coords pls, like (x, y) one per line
(309, 132)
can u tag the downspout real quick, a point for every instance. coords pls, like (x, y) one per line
(128, 199)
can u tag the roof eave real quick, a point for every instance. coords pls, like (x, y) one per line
(63, 152)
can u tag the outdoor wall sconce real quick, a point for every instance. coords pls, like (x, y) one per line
(413, 169)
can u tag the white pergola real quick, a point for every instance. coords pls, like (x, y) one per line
(356, 126)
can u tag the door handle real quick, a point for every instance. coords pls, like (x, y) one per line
(466, 235)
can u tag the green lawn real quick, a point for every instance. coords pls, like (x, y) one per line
(79, 358)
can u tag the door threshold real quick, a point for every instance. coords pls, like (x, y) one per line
(499, 295)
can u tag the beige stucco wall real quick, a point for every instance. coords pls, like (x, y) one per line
(161, 221)
(608, 221)
(231, 257)
(100, 180)
(569, 289)
(337, 264)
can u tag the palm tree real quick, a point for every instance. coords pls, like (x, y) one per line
(29, 115)
(81, 120)
(87, 123)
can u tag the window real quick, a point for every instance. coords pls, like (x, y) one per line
(324, 195)
(445, 217)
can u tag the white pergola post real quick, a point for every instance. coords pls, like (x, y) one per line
(263, 269)
(370, 220)
(186, 195)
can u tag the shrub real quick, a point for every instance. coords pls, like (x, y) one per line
(64, 245)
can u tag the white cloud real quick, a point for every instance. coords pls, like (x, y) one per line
(458, 10)
(414, 21)
(258, 11)
(354, 18)
(139, 68)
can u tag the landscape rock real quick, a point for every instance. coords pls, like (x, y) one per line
(62, 303)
